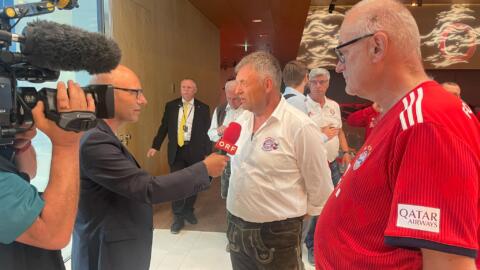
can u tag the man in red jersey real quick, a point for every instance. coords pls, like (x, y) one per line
(410, 198)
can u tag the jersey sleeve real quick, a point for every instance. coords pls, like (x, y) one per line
(20, 205)
(434, 178)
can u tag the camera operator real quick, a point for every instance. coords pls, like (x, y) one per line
(32, 224)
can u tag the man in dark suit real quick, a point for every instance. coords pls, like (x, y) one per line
(186, 120)
(113, 229)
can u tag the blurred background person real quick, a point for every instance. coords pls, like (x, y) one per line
(222, 117)
(186, 121)
(295, 79)
(366, 118)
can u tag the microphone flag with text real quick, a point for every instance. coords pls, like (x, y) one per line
(226, 144)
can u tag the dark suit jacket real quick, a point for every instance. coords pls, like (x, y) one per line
(113, 229)
(200, 144)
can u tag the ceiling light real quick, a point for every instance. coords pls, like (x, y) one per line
(257, 20)
(262, 35)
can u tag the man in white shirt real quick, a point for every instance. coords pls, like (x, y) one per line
(222, 117)
(326, 114)
(279, 173)
(295, 78)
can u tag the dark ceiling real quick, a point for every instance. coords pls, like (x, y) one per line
(279, 32)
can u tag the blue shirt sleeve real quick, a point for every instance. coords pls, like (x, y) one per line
(20, 205)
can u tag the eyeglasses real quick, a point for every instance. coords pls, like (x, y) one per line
(340, 55)
(137, 92)
(315, 82)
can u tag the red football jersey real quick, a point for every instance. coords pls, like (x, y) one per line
(414, 184)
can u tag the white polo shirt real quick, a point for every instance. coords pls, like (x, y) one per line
(328, 115)
(281, 171)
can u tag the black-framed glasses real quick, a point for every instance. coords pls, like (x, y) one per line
(340, 55)
(137, 92)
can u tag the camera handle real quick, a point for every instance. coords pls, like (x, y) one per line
(76, 121)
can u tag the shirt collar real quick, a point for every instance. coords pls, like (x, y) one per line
(279, 110)
(327, 100)
(290, 90)
(189, 102)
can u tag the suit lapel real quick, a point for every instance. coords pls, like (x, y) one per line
(175, 113)
(195, 117)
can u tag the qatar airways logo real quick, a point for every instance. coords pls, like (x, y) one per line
(418, 217)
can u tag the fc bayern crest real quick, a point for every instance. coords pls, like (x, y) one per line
(362, 157)
(269, 144)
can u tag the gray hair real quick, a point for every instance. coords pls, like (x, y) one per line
(230, 85)
(395, 19)
(265, 64)
(192, 80)
(318, 72)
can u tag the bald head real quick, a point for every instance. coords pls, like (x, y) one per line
(128, 94)
(391, 17)
(120, 76)
(452, 88)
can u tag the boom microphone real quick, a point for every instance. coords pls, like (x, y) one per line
(62, 47)
(226, 145)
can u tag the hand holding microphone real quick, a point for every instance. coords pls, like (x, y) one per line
(217, 162)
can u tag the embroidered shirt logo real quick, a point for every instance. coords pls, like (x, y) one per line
(269, 144)
(418, 217)
(362, 157)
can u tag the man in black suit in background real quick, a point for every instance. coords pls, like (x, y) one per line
(113, 229)
(186, 120)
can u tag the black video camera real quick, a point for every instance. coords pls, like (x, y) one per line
(16, 102)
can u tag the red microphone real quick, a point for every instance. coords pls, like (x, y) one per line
(226, 145)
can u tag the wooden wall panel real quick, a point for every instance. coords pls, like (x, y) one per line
(163, 42)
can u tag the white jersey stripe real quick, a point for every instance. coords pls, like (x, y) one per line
(411, 121)
(418, 107)
(402, 114)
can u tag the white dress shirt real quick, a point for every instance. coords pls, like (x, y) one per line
(190, 112)
(281, 171)
(230, 116)
(327, 116)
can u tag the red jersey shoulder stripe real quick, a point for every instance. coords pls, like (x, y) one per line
(411, 103)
